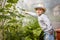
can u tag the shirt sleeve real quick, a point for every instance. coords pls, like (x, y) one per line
(47, 22)
(32, 14)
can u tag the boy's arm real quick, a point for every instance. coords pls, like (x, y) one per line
(31, 13)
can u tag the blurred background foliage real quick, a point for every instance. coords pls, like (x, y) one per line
(15, 26)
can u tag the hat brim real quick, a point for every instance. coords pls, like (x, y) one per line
(40, 8)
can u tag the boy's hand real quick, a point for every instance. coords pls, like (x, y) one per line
(25, 12)
(51, 32)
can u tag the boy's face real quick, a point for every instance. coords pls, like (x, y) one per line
(39, 11)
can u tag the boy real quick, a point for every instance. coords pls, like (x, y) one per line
(43, 21)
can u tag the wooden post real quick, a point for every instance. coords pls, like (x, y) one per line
(57, 34)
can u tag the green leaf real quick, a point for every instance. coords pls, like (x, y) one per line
(1, 9)
(4, 17)
(8, 5)
(12, 1)
(13, 14)
(13, 21)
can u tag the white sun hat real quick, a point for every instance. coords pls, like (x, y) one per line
(40, 6)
